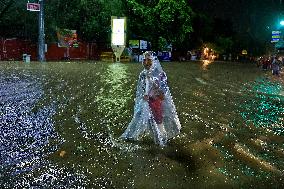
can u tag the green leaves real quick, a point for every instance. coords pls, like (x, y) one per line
(169, 20)
(146, 19)
(224, 44)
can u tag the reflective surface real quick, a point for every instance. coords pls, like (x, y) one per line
(60, 123)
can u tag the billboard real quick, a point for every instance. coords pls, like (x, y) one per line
(67, 38)
(134, 43)
(118, 26)
(118, 36)
(276, 35)
(143, 44)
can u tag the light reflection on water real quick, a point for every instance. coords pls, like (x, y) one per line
(266, 108)
(231, 116)
(206, 63)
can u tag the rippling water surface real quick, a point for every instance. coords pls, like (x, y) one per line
(60, 124)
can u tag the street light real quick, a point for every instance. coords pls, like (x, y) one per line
(282, 22)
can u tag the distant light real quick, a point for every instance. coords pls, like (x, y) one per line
(282, 23)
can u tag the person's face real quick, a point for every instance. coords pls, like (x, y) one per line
(147, 63)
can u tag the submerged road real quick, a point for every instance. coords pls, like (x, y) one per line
(60, 124)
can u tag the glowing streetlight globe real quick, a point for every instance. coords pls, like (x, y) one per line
(282, 22)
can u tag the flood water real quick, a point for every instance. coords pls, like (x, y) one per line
(60, 124)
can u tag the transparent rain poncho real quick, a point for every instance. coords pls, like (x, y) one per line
(144, 120)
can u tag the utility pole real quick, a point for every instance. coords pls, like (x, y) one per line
(41, 36)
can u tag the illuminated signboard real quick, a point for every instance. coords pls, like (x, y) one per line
(134, 43)
(276, 35)
(143, 44)
(118, 31)
(33, 6)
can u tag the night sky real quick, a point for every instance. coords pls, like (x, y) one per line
(255, 17)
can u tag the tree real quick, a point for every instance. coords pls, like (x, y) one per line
(90, 18)
(156, 19)
(202, 30)
(5, 5)
(223, 45)
(16, 21)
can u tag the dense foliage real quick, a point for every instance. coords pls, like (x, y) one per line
(160, 21)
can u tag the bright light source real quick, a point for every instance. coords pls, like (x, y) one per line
(282, 22)
(118, 32)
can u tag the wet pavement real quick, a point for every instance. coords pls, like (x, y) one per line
(60, 124)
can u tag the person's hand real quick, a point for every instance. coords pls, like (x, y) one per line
(161, 96)
(146, 97)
